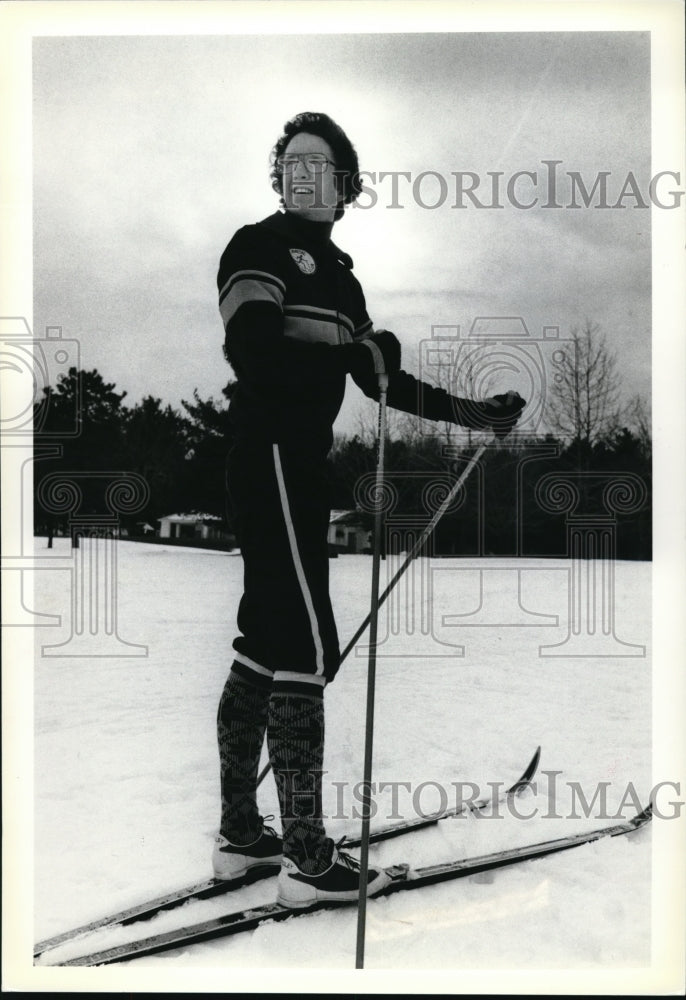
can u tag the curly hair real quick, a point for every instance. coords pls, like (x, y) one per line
(347, 165)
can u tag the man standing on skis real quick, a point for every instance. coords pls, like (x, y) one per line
(296, 325)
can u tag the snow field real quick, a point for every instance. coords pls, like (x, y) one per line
(126, 774)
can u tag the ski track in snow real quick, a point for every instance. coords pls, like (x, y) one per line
(126, 772)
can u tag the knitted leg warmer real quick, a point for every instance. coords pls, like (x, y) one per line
(241, 724)
(295, 738)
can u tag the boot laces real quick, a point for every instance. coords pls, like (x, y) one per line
(346, 858)
(269, 829)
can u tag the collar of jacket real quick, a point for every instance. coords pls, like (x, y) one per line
(314, 234)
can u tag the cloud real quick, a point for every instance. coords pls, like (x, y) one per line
(150, 151)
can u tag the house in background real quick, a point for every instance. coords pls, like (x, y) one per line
(348, 532)
(194, 526)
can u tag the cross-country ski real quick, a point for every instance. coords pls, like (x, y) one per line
(212, 887)
(401, 877)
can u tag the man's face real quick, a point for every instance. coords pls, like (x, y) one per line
(309, 182)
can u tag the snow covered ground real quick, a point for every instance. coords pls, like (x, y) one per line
(126, 777)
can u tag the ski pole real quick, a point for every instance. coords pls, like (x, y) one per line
(412, 554)
(371, 676)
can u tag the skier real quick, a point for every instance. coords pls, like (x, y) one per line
(296, 325)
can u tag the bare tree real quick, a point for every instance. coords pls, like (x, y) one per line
(638, 417)
(585, 391)
(367, 422)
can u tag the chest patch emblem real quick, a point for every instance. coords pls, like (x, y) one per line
(304, 261)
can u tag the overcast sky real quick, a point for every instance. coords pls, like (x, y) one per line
(149, 152)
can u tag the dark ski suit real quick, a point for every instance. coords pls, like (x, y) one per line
(293, 314)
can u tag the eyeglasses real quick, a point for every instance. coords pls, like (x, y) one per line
(315, 163)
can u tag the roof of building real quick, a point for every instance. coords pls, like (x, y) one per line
(193, 518)
(352, 517)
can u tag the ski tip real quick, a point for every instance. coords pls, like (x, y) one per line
(528, 774)
(644, 816)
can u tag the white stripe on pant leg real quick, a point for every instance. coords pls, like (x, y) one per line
(300, 572)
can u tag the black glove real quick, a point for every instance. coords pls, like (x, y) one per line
(374, 355)
(502, 412)
(499, 413)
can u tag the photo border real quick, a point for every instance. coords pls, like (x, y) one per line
(20, 22)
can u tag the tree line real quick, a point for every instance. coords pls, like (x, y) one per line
(522, 500)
